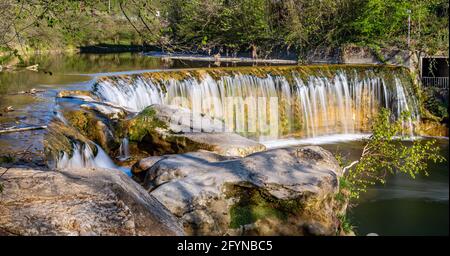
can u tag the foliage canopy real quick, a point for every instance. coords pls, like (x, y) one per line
(384, 155)
(227, 25)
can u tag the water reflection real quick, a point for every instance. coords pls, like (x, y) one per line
(402, 206)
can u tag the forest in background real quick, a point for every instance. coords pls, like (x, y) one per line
(225, 26)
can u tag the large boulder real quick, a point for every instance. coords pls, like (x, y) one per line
(162, 129)
(288, 191)
(141, 167)
(80, 202)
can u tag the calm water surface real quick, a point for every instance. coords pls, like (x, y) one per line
(400, 207)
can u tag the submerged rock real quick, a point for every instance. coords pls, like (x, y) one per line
(161, 129)
(289, 191)
(80, 202)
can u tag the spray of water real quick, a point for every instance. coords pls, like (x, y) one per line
(83, 157)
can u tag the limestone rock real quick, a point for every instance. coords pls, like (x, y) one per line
(108, 111)
(76, 94)
(80, 202)
(93, 128)
(60, 138)
(287, 191)
(139, 169)
(161, 129)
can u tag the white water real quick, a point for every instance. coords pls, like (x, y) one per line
(279, 143)
(124, 151)
(83, 157)
(59, 115)
(135, 98)
(308, 108)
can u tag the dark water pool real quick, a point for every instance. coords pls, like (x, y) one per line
(400, 207)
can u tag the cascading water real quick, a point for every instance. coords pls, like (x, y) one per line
(83, 156)
(124, 151)
(59, 116)
(135, 98)
(272, 106)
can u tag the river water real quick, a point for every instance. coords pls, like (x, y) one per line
(400, 207)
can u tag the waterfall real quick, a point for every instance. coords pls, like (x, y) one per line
(83, 156)
(124, 151)
(136, 97)
(271, 106)
(59, 116)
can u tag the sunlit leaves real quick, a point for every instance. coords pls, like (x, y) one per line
(385, 155)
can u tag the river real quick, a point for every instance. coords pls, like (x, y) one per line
(401, 207)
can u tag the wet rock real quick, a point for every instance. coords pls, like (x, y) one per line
(107, 111)
(93, 128)
(8, 109)
(61, 138)
(161, 129)
(80, 202)
(31, 91)
(288, 191)
(76, 94)
(431, 128)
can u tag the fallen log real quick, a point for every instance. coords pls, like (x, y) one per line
(14, 129)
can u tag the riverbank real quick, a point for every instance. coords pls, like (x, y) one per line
(80, 77)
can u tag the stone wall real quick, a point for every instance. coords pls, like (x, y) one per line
(352, 54)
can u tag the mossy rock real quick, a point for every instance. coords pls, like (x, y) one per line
(146, 122)
(60, 138)
(93, 127)
(253, 204)
(161, 129)
(257, 212)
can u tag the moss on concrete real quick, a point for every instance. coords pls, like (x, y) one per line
(304, 71)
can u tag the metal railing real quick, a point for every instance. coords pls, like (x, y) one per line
(439, 82)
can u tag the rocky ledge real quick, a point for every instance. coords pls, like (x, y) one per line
(288, 191)
(161, 129)
(80, 202)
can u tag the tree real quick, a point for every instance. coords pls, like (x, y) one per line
(218, 24)
(384, 23)
(383, 154)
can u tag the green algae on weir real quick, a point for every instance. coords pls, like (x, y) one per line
(312, 99)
